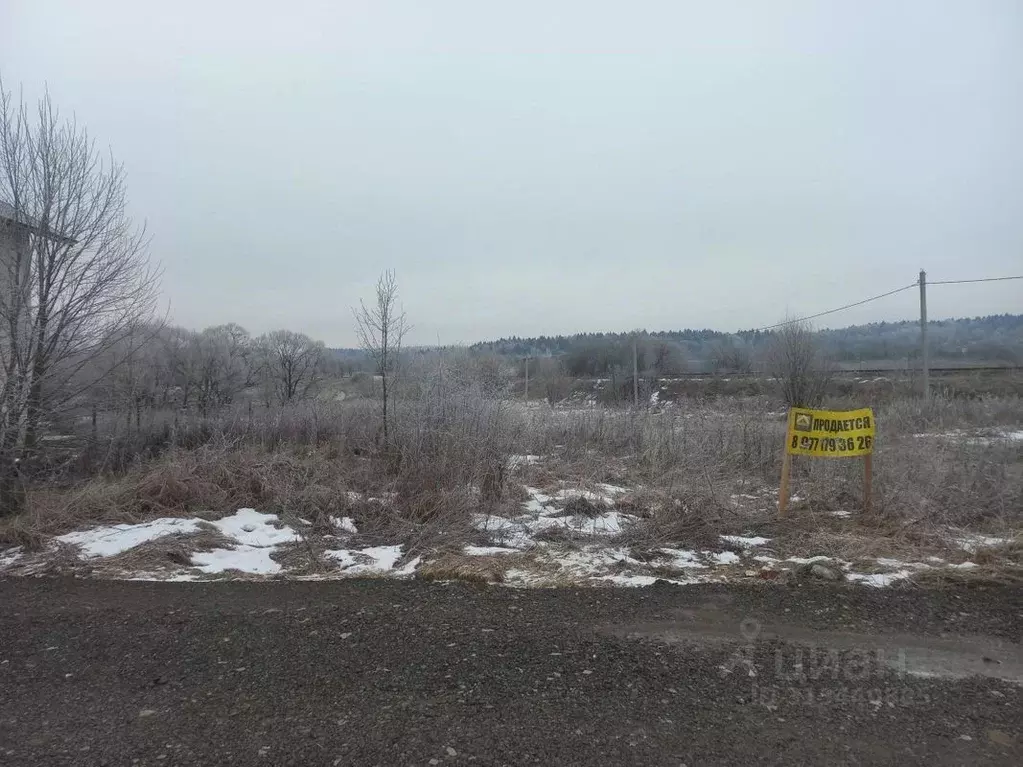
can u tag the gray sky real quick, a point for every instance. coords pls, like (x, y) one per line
(555, 166)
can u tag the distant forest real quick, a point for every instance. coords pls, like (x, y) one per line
(996, 339)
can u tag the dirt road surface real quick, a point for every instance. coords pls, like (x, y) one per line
(408, 673)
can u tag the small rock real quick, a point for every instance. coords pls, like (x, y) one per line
(435, 761)
(147, 712)
(451, 751)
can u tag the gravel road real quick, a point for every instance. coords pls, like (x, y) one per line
(374, 672)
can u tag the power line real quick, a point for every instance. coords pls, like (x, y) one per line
(882, 295)
(839, 309)
(985, 279)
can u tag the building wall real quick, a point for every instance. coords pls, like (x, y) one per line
(13, 238)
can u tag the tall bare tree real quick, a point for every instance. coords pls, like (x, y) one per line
(290, 363)
(381, 328)
(75, 278)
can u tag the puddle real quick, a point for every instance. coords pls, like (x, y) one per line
(924, 656)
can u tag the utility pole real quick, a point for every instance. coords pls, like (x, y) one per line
(635, 371)
(923, 335)
(527, 380)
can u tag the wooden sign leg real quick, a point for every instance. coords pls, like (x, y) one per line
(783, 491)
(868, 481)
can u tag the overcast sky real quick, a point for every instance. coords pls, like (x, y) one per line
(553, 166)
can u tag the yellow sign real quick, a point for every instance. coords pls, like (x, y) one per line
(830, 433)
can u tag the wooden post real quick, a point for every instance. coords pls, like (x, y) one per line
(526, 395)
(783, 491)
(868, 481)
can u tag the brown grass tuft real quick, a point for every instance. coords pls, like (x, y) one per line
(463, 567)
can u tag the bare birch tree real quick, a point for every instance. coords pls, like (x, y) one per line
(381, 328)
(75, 279)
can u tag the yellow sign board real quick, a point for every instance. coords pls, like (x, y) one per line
(830, 433)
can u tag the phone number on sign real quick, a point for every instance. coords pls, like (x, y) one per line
(832, 444)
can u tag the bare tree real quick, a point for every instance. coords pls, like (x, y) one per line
(219, 364)
(795, 359)
(665, 358)
(731, 356)
(290, 364)
(381, 330)
(75, 279)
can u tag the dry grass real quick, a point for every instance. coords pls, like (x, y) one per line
(448, 461)
(988, 575)
(171, 552)
(477, 569)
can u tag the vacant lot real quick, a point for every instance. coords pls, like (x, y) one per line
(477, 486)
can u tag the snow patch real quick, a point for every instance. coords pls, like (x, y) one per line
(111, 540)
(724, 557)
(9, 556)
(878, 580)
(251, 528)
(683, 559)
(373, 560)
(246, 559)
(970, 542)
(486, 551)
(345, 524)
(744, 541)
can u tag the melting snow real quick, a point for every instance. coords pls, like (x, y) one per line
(256, 539)
(345, 524)
(374, 560)
(745, 542)
(10, 556)
(484, 551)
(538, 502)
(724, 557)
(111, 540)
(972, 541)
(247, 559)
(252, 528)
(254, 535)
(682, 559)
(878, 580)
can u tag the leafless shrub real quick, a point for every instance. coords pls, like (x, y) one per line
(796, 360)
